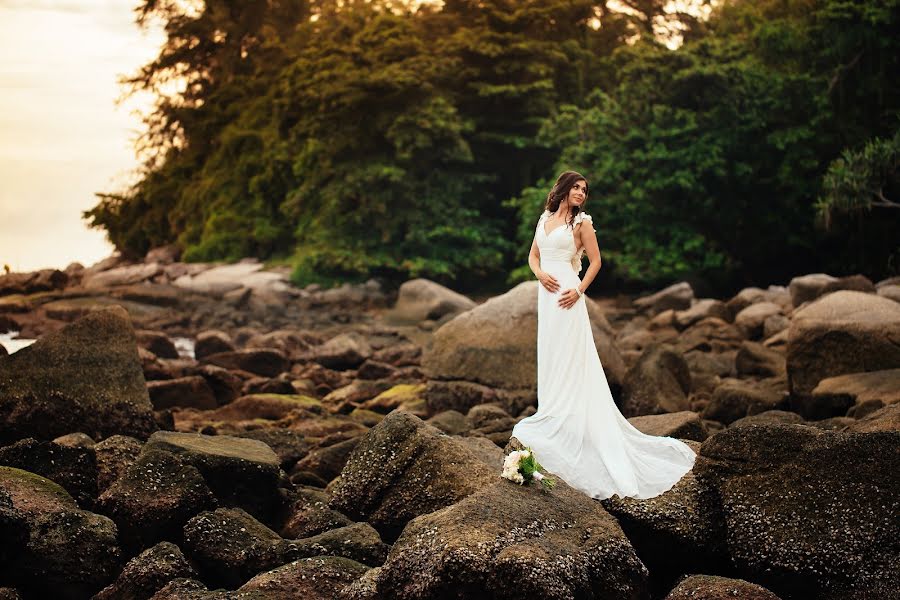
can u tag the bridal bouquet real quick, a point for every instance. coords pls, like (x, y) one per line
(521, 466)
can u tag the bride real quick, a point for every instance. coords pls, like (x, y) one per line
(577, 432)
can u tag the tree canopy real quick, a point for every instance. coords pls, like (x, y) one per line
(361, 138)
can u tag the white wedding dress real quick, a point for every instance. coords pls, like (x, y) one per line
(578, 432)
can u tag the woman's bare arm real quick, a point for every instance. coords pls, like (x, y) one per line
(592, 249)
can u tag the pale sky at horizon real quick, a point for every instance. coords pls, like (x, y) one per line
(62, 137)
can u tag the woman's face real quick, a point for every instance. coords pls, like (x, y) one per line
(578, 193)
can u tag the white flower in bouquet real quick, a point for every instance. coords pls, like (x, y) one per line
(521, 467)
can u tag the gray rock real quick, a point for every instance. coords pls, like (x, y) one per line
(66, 552)
(75, 469)
(212, 342)
(310, 515)
(511, 541)
(155, 497)
(404, 468)
(230, 546)
(269, 363)
(147, 573)
(769, 416)
(843, 332)
(495, 343)
(884, 419)
(185, 392)
(461, 396)
(714, 587)
(451, 422)
(784, 488)
(676, 297)
(755, 359)
(808, 287)
(318, 578)
(344, 351)
(684, 425)
(328, 461)
(736, 399)
(240, 472)
(681, 530)
(75, 440)
(86, 377)
(114, 455)
(157, 342)
(120, 276)
(701, 309)
(421, 299)
(659, 382)
(752, 319)
(856, 388)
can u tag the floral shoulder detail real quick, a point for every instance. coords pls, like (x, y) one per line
(584, 217)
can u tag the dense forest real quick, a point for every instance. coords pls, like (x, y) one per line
(355, 138)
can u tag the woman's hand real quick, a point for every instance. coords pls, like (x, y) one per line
(569, 298)
(548, 281)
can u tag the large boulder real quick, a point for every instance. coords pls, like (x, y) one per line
(86, 377)
(66, 552)
(422, 299)
(240, 472)
(679, 531)
(512, 541)
(155, 497)
(230, 546)
(809, 513)
(658, 383)
(403, 468)
(843, 332)
(495, 343)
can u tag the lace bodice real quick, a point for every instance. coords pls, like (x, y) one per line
(556, 246)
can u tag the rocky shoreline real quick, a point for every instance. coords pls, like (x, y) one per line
(347, 442)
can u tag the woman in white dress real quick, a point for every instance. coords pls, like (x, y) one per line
(578, 432)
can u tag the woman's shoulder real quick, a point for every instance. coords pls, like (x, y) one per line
(582, 216)
(544, 216)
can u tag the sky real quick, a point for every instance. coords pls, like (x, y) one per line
(62, 136)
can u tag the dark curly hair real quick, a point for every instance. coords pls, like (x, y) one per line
(560, 192)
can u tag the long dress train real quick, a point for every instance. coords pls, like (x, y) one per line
(578, 432)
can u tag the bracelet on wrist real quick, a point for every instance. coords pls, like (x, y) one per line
(579, 292)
